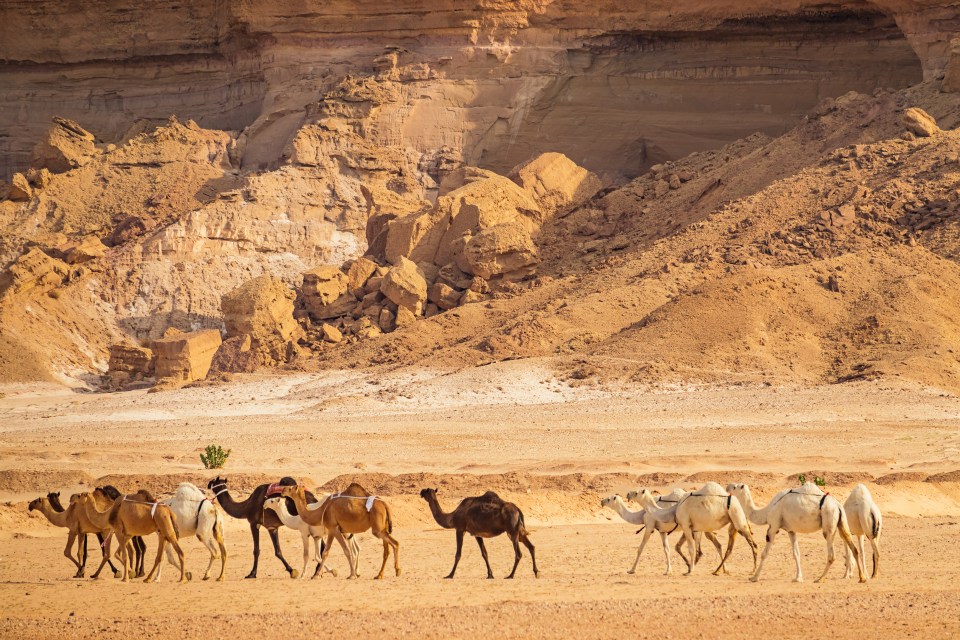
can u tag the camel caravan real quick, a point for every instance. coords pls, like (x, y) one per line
(128, 518)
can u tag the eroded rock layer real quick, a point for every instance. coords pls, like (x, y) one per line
(615, 86)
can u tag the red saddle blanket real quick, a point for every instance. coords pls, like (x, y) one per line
(275, 489)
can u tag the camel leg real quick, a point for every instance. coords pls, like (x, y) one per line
(533, 555)
(318, 548)
(844, 530)
(712, 537)
(184, 576)
(679, 549)
(691, 549)
(515, 538)
(82, 553)
(848, 562)
(218, 533)
(140, 547)
(325, 550)
(275, 539)
(731, 538)
(666, 552)
(483, 552)
(255, 534)
(828, 536)
(355, 550)
(161, 542)
(771, 536)
(456, 558)
(113, 569)
(643, 543)
(305, 536)
(875, 543)
(796, 555)
(124, 556)
(386, 556)
(211, 546)
(68, 552)
(353, 562)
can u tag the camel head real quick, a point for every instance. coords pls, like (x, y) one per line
(609, 500)
(217, 483)
(294, 491)
(108, 491)
(632, 495)
(273, 503)
(37, 504)
(426, 494)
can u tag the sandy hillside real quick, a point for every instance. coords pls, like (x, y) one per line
(553, 447)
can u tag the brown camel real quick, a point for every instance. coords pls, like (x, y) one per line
(485, 516)
(129, 517)
(105, 497)
(352, 511)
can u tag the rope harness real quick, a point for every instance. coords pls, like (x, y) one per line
(153, 507)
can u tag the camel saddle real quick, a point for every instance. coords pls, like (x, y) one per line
(274, 489)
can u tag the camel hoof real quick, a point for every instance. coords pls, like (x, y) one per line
(220, 579)
(379, 577)
(294, 574)
(450, 577)
(630, 572)
(333, 572)
(190, 576)
(800, 580)
(250, 576)
(754, 579)
(863, 580)
(205, 578)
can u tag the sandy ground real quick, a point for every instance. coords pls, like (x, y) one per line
(553, 449)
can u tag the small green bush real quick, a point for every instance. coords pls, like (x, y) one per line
(820, 482)
(214, 457)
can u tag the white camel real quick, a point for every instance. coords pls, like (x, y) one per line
(707, 509)
(197, 515)
(804, 509)
(865, 520)
(650, 524)
(308, 533)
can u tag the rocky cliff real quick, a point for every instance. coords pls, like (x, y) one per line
(615, 86)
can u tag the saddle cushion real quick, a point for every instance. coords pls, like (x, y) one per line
(274, 489)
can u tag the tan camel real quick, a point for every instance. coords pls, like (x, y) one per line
(129, 517)
(345, 513)
(66, 519)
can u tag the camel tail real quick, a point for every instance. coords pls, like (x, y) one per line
(523, 525)
(173, 520)
(389, 519)
(874, 525)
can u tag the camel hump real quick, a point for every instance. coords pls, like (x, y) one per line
(144, 495)
(354, 489)
(490, 496)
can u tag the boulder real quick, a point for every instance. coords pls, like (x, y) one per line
(920, 123)
(387, 320)
(556, 182)
(39, 178)
(65, 145)
(376, 232)
(262, 308)
(128, 363)
(330, 333)
(360, 271)
(443, 295)
(405, 286)
(500, 250)
(20, 190)
(469, 297)
(325, 294)
(185, 357)
(416, 236)
(405, 317)
(234, 356)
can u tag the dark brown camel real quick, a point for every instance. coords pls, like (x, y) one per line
(253, 512)
(485, 516)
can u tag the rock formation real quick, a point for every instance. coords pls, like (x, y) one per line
(184, 357)
(261, 312)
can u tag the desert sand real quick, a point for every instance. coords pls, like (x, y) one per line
(552, 448)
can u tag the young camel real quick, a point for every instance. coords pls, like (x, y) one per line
(253, 512)
(308, 533)
(345, 513)
(485, 516)
(651, 524)
(196, 515)
(805, 509)
(865, 520)
(709, 508)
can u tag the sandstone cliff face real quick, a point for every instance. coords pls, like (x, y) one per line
(489, 80)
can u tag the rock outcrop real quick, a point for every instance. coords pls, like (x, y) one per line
(66, 145)
(129, 364)
(920, 123)
(184, 357)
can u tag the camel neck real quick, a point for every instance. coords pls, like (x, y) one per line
(56, 518)
(233, 508)
(310, 517)
(443, 519)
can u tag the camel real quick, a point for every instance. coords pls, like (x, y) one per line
(253, 512)
(65, 519)
(709, 508)
(104, 497)
(352, 511)
(129, 517)
(93, 517)
(308, 533)
(865, 520)
(485, 516)
(651, 524)
(805, 509)
(54, 500)
(197, 515)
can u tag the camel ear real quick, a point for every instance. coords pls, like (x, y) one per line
(436, 490)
